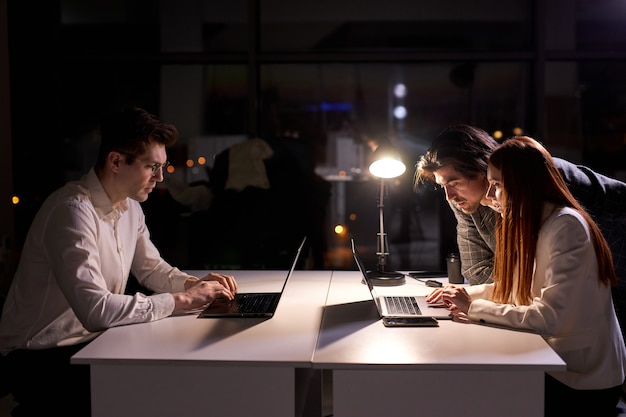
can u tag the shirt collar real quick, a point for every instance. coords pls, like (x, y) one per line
(100, 199)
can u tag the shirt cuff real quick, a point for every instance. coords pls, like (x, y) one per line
(163, 305)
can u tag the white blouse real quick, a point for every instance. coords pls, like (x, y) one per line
(570, 308)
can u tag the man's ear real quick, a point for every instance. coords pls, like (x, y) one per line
(114, 160)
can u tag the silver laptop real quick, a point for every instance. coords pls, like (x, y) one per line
(252, 304)
(400, 306)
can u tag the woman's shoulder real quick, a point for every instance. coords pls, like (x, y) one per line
(565, 212)
(564, 218)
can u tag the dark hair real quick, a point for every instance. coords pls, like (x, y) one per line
(131, 130)
(466, 147)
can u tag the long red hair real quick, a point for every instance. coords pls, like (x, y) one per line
(529, 179)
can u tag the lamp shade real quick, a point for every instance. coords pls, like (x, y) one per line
(387, 163)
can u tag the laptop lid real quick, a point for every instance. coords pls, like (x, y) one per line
(251, 304)
(426, 309)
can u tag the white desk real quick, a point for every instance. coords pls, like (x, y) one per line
(454, 369)
(185, 366)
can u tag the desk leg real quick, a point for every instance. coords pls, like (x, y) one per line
(441, 393)
(308, 392)
(188, 390)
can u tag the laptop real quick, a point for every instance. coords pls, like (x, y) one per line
(252, 304)
(401, 306)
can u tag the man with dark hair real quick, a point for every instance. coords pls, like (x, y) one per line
(82, 245)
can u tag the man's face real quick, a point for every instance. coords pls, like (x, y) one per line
(466, 193)
(140, 178)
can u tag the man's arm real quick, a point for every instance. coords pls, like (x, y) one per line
(604, 198)
(600, 195)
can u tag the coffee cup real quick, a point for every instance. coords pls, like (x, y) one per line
(453, 264)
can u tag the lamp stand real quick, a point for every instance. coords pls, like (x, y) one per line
(380, 276)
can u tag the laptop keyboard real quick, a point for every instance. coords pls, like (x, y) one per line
(254, 303)
(402, 305)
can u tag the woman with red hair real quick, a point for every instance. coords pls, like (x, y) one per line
(553, 274)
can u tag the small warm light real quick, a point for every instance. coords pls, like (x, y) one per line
(189, 163)
(387, 168)
(399, 112)
(352, 217)
(15, 200)
(171, 169)
(342, 173)
(201, 160)
(497, 135)
(339, 229)
(517, 131)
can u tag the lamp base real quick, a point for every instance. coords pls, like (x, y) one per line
(386, 279)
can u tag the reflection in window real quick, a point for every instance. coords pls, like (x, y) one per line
(395, 25)
(318, 100)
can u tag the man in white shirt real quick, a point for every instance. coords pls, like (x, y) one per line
(84, 242)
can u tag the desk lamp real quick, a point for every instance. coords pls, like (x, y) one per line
(387, 164)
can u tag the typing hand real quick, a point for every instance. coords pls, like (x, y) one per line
(457, 315)
(227, 281)
(457, 299)
(203, 292)
(435, 296)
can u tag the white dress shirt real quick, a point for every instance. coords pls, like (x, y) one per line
(570, 308)
(69, 285)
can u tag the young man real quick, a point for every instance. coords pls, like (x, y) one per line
(457, 161)
(84, 242)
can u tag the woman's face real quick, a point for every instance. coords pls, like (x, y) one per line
(494, 191)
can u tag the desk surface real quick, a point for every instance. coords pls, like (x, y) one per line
(287, 339)
(353, 337)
